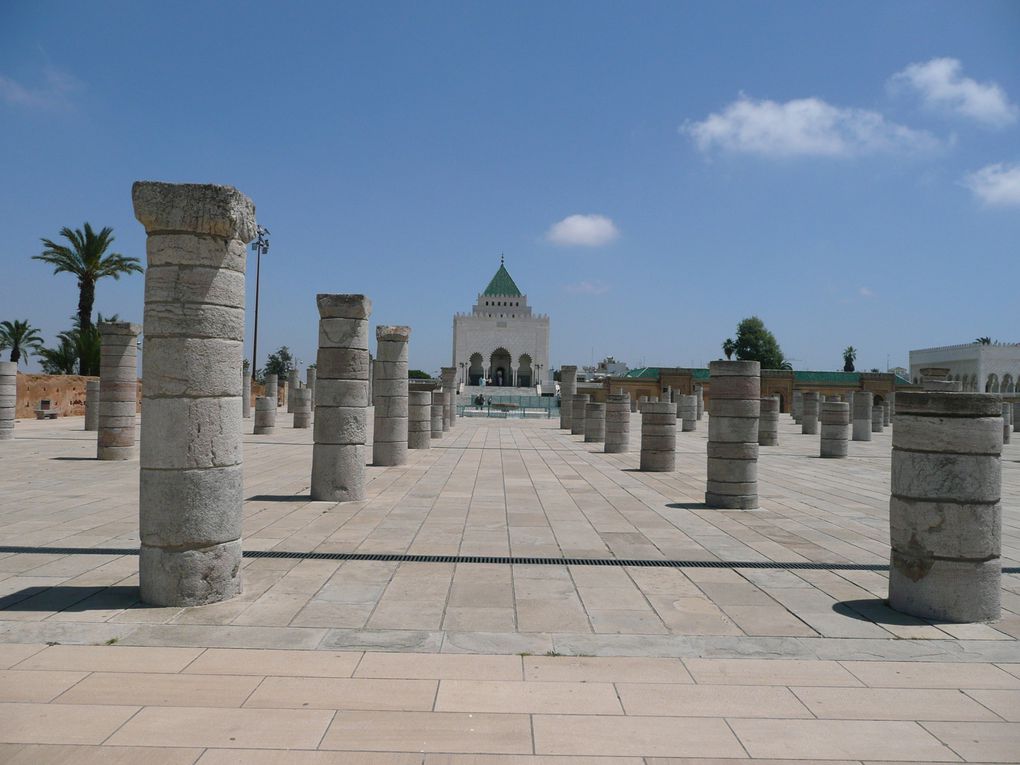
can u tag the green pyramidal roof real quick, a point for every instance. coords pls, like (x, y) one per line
(502, 284)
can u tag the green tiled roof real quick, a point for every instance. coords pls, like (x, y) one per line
(828, 377)
(502, 285)
(644, 373)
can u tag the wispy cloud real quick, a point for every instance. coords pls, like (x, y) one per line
(807, 127)
(583, 231)
(54, 92)
(866, 292)
(587, 288)
(941, 85)
(997, 185)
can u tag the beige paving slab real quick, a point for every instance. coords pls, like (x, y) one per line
(527, 697)
(892, 704)
(430, 732)
(634, 736)
(162, 690)
(61, 754)
(709, 700)
(429, 666)
(60, 723)
(526, 759)
(1006, 704)
(606, 669)
(275, 661)
(906, 674)
(769, 672)
(213, 727)
(755, 761)
(282, 757)
(35, 685)
(115, 658)
(344, 693)
(980, 741)
(12, 653)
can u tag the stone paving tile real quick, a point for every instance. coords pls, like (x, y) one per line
(1006, 704)
(892, 704)
(527, 697)
(282, 757)
(344, 693)
(241, 661)
(429, 732)
(60, 723)
(56, 754)
(591, 669)
(769, 672)
(440, 666)
(164, 690)
(975, 741)
(111, 658)
(36, 685)
(891, 674)
(710, 701)
(634, 736)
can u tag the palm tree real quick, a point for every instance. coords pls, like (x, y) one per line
(729, 347)
(62, 359)
(20, 337)
(849, 356)
(87, 258)
(786, 365)
(983, 341)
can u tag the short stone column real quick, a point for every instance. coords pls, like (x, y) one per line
(768, 422)
(809, 414)
(191, 483)
(687, 413)
(301, 400)
(293, 383)
(835, 427)
(863, 406)
(797, 409)
(245, 393)
(310, 383)
(341, 399)
(1016, 417)
(733, 412)
(449, 378)
(945, 515)
(699, 391)
(272, 388)
(8, 398)
(642, 400)
(568, 387)
(389, 446)
(1007, 422)
(91, 405)
(265, 416)
(618, 423)
(118, 389)
(944, 386)
(578, 403)
(886, 413)
(594, 422)
(658, 437)
(633, 405)
(419, 419)
(437, 414)
(877, 417)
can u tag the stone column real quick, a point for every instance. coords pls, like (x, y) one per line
(945, 515)
(835, 421)
(577, 413)
(265, 416)
(341, 400)
(945, 386)
(699, 391)
(284, 393)
(310, 383)
(658, 437)
(633, 405)
(292, 386)
(91, 405)
(642, 400)
(768, 422)
(1016, 417)
(568, 387)
(1007, 421)
(8, 398)
(594, 423)
(886, 413)
(191, 482)
(118, 378)
(892, 406)
(877, 418)
(797, 409)
(687, 413)
(862, 407)
(301, 402)
(733, 434)
(419, 419)
(449, 378)
(437, 414)
(809, 414)
(618, 423)
(272, 388)
(245, 394)
(389, 446)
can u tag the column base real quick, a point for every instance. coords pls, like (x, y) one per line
(190, 577)
(117, 452)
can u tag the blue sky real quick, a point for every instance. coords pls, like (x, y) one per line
(654, 172)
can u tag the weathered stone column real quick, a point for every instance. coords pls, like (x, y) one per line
(687, 413)
(617, 423)
(886, 413)
(272, 388)
(265, 416)
(1007, 421)
(310, 383)
(91, 405)
(390, 395)
(768, 422)
(577, 413)
(594, 422)
(301, 400)
(191, 482)
(419, 419)
(642, 400)
(8, 398)
(568, 387)
(797, 409)
(835, 422)
(658, 437)
(809, 414)
(877, 418)
(1016, 417)
(945, 515)
(733, 434)
(118, 382)
(862, 407)
(340, 428)
(449, 378)
(284, 394)
(293, 384)
(245, 393)
(633, 405)
(437, 414)
(699, 391)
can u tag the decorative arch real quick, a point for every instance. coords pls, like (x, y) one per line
(992, 383)
(1008, 385)
(500, 367)
(524, 373)
(476, 368)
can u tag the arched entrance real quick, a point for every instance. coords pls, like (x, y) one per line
(524, 371)
(499, 367)
(992, 385)
(476, 371)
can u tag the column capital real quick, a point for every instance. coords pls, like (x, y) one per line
(194, 208)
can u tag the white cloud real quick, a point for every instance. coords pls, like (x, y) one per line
(865, 292)
(803, 127)
(997, 184)
(54, 92)
(583, 231)
(588, 288)
(941, 85)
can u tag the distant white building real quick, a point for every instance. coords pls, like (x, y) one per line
(501, 340)
(993, 368)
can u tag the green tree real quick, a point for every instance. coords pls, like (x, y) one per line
(849, 357)
(983, 341)
(83, 345)
(61, 359)
(20, 337)
(280, 363)
(754, 342)
(729, 347)
(87, 258)
(417, 374)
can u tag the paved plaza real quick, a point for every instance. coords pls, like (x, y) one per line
(729, 634)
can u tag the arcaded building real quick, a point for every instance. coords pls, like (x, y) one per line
(501, 340)
(987, 368)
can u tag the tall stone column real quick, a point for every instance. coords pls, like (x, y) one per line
(118, 385)
(1007, 421)
(699, 391)
(797, 407)
(437, 414)
(91, 405)
(594, 422)
(945, 515)
(341, 400)
(642, 400)
(568, 387)
(390, 396)
(310, 383)
(658, 437)
(687, 413)
(245, 393)
(272, 388)
(768, 422)
(293, 383)
(301, 400)
(886, 413)
(8, 398)
(449, 378)
(835, 427)
(265, 416)
(877, 414)
(1016, 417)
(419, 416)
(809, 414)
(577, 413)
(862, 406)
(191, 487)
(733, 434)
(617, 423)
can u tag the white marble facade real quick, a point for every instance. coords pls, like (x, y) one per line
(992, 368)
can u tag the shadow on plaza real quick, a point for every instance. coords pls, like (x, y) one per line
(687, 505)
(75, 459)
(876, 610)
(279, 498)
(71, 599)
